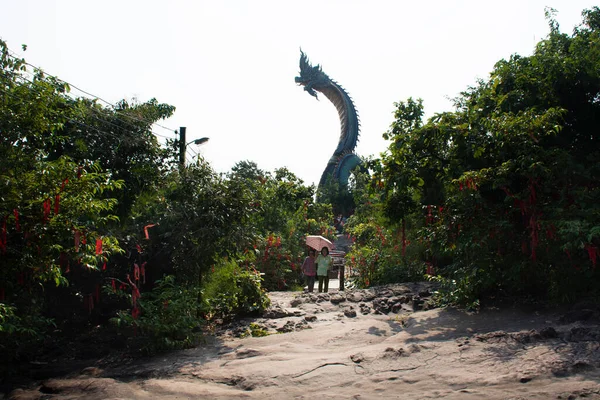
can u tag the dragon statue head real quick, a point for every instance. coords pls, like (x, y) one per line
(311, 77)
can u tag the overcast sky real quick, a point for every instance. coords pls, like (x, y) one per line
(229, 66)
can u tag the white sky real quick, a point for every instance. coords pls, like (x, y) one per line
(229, 66)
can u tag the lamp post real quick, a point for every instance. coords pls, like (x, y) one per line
(183, 144)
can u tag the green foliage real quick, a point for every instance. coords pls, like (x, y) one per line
(233, 290)
(168, 319)
(20, 334)
(502, 194)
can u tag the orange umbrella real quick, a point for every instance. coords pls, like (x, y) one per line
(318, 242)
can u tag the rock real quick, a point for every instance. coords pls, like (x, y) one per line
(401, 290)
(296, 302)
(357, 358)
(302, 325)
(527, 337)
(368, 295)
(310, 318)
(424, 293)
(548, 333)
(321, 297)
(582, 334)
(582, 366)
(417, 303)
(428, 305)
(276, 312)
(390, 352)
(364, 309)
(247, 353)
(396, 308)
(288, 327)
(336, 299)
(354, 297)
(350, 312)
(91, 371)
(381, 306)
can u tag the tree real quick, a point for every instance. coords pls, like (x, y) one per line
(54, 215)
(504, 190)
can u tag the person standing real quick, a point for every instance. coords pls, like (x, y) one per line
(324, 262)
(309, 270)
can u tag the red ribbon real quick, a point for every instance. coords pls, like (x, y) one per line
(135, 312)
(136, 272)
(135, 292)
(592, 253)
(143, 272)
(47, 206)
(146, 230)
(56, 203)
(98, 246)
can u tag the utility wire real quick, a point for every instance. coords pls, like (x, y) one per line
(13, 55)
(97, 112)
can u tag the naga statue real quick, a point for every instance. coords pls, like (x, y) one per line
(343, 160)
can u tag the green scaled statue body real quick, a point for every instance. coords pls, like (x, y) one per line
(343, 160)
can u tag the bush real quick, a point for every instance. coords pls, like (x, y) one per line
(20, 334)
(234, 291)
(169, 317)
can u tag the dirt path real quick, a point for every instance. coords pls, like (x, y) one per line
(363, 345)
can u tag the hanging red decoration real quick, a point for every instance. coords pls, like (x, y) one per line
(136, 272)
(47, 206)
(146, 230)
(135, 312)
(429, 268)
(56, 203)
(143, 272)
(17, 224)
(135, 292)
(99, 246)
(139, 248)
(104, 266)
(592, 253)
(114, 285)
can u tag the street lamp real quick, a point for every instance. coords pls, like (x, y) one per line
(198, 141)
(183, 144)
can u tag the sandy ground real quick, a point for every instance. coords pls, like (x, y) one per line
(337, 346)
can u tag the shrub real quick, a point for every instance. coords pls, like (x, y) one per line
(232, 291)
(169, 317)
